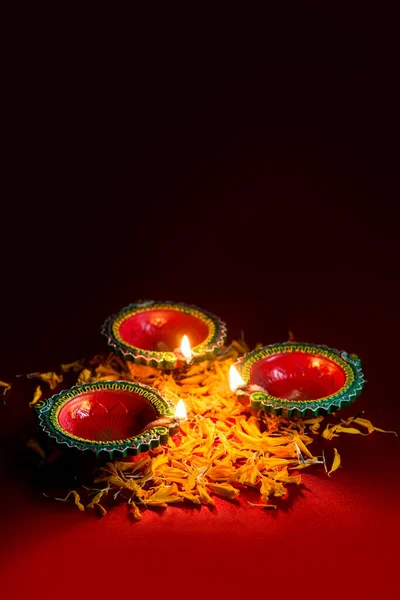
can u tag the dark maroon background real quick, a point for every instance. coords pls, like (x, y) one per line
(242, 162)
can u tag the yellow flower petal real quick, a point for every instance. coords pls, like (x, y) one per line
(157, 462)
(195, 379)
(250, 427)
(220, 472)
(197, 368)
(128, 485)
(164, 495)
(225, 490)
(139, 372)
(273, 461)
(75, 366)
(298, 440)
(352, 430)
(136, 512)
(85, 376)
(336, 462)
(314, 424)
(204, 495)
(266, 488)
(5, 385)
(283, 477)
(51, 378)
(270, 506)
(271, 487)
(329, 432)
(190, 497)
(371, 428)
(77, 499)
(313, 421)
(36, 396)
(96, 501)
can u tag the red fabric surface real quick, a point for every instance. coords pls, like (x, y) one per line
(332, 534)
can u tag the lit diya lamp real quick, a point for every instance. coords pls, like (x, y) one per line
(164, 335)
(295, 379)
(110, 418)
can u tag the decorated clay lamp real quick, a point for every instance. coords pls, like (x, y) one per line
(110, 418)
(295, 379)
(164, 335)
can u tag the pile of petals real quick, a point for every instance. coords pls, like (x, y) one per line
(223, 449)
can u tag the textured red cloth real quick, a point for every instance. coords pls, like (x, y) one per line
(334, 536)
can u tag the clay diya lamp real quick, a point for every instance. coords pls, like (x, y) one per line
(164, 335)
(295, 379)
(110, 418)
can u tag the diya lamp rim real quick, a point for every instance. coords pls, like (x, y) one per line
(261, 399)
(217, 333)
(49, 408)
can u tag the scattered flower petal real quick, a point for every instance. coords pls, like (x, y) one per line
(336, 462)
(36, 396)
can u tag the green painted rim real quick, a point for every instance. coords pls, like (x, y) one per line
(352, 388)
(49, 408)
(164, 360)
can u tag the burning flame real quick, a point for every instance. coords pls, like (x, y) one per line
(186, 349)
(236, 381)
(180, 411)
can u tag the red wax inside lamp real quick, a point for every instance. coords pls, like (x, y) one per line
(162, 330)
(106, 415)
(298, 376)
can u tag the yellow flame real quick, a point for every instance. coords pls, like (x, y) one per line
(186, 349)
(180, 411)
(236, 381)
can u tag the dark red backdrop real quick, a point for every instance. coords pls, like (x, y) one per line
(242, 164)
